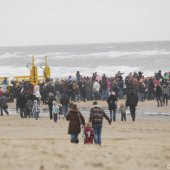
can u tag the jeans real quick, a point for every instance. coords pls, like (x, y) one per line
(5, 110)
(104, 94)
(74, 138)
(97, 133)
(141, 96)
(120, 93)
(113, 115)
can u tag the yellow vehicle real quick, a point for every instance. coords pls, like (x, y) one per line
(34, 78)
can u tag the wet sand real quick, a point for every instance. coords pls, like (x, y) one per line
(29, 144)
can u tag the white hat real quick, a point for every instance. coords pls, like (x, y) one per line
(113, 93)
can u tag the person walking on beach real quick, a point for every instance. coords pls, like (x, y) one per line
(88, 133)
(55, 110)
(112, 105)
(36, 109)
(104, 95)
(122, 110)
(64, 100)
(21, 102)
(165, 93)
(132, 101)
(158, 94)
(50, 104)
(75, 119)
(95, 90)
(96, 117)
(3, 104)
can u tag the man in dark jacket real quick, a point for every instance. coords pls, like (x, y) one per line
(96, 117)
(132, 101)
(50, 104)
(21, 102)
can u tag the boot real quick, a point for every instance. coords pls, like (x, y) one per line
(73, 141)
(76, 141)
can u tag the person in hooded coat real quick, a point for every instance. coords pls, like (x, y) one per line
(112, 105)
(75, 119)
(132, 101)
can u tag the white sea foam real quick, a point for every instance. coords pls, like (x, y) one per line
(109, 71)
(63, 72)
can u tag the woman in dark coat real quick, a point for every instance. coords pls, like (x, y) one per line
(112, 105)
(75, 119)
(132, 101)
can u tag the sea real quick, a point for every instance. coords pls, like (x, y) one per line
(103, 58)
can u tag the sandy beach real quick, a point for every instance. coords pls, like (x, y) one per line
(43, 145)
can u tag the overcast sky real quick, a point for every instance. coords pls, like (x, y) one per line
(43, 22)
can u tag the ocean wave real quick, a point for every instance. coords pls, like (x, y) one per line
(107, 54)
(77, 55)
(10, 55)
(61, 72)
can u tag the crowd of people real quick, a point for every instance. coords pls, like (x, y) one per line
(60, 94)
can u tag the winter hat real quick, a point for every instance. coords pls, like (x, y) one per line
(113, 93)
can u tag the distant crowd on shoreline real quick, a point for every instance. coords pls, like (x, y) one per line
(89, 88)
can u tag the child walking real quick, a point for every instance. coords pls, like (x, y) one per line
(55, 111)
(122, 110)
(36, 109)
(88, 133)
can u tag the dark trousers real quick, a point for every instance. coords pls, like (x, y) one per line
(50, 110)
(55, 117)
(158, 98)
(22, 112)
(132, 112)
(165, 99)
(123, 116)
(113, 115)
(5, 110)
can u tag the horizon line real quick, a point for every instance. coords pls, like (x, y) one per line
(63, 44)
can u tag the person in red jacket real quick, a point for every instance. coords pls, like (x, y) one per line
(88, 133)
